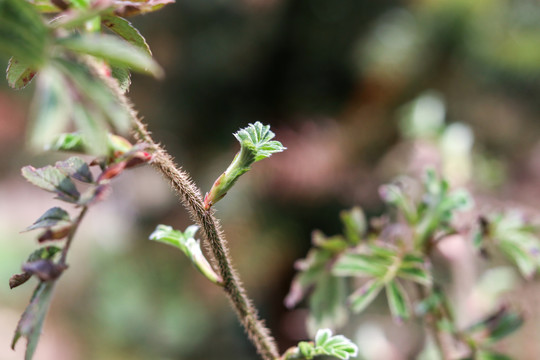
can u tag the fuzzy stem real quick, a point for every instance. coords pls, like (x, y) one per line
(192, 200)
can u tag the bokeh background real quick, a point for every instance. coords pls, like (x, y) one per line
(359, 91)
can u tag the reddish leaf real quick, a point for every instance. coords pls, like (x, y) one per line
(112, 171)
(19, 279)
(54, 234)
(44, 269)
(138, 158)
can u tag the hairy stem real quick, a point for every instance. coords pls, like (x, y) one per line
(192, 200)
(71, 235)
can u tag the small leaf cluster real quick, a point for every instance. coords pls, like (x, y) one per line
(58, 52)
(512, 236)
(49, 262)
(186, 242)
(255, 144)
(337, 346)
(394, 253)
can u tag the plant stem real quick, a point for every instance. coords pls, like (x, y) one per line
(71, 235)
(192, 200)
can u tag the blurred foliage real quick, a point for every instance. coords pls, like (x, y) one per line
(342, 73)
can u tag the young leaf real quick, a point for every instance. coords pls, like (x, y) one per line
(258, 139)
(76, 168)
(338, 346)
(123, 76)
(97, 94)
(50, 109)
(397, 301)
(19, 74)
(81, 16)
(188, 245)
(22, 32)
(125, 30)
(52, 217)
(312, 268)
(394, 195)
(114, 51)
(32, 319)
(325, 344)
(72, 142)
(51, 179)
(363, 296)
(489, 355)
(360, 265)
(327, 303)
(355, 224)
(497, 326)
(414, 268)
(255, 144)
(415, 274)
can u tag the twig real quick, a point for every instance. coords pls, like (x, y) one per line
(192, 200)
(71, 235)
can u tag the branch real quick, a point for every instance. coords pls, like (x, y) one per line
(192, 200)
(71, 235)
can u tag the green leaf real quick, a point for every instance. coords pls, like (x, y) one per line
(414, 268)
(51, 179)
(189, 246)
(525, 262)
(80, 17)
(504, 325)
(92, 125)
(32, 319)
(51, 217)
(360, 265)
(67, 142)
(19, 74)
(44, 6)
(363, 296)
(257, 137)
(497, 326)
(126, 31)
(338, 346)
(307, 349)
(76, 168)
(488, 355)
(113, 50)
(415, 274)
(327, 303)
(394, 195)
(100, 99)
(22, 32)
(255, 144)
(355, 224)
(312, 268)
(123, 76)
(397, 301)
(51, 108)
(334, 244)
